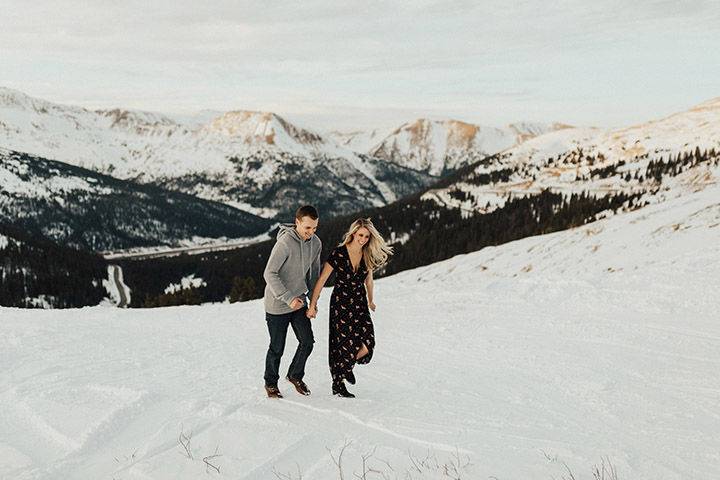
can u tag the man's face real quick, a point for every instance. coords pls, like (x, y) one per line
(306, 227)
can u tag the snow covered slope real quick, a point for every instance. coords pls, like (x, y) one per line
(522, 359)
(360, 140)
(84, 209)
(254, 160)
(441, 146)
(597, 161)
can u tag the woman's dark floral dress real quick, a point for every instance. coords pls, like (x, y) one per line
(350, 322)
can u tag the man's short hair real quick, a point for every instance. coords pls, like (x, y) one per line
(306, 211)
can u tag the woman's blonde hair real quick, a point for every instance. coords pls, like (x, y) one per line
(376, 251)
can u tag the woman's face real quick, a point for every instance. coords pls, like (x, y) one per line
(362, 236)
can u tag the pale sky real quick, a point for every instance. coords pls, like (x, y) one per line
(344, 65)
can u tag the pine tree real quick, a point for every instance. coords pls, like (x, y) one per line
(242, 289)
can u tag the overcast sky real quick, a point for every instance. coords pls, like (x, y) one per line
(338, 64)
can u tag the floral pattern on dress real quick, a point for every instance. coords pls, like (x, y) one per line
(350, 322)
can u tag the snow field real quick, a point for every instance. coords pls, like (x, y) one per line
(601, 341)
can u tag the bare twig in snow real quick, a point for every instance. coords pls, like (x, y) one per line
(570, 473)
(547, 456)
(365, 468)
(338, 461)
(287, 476)
(605, 471)
(387, 463)
(412, 459)
(207, 459)
(185, 442)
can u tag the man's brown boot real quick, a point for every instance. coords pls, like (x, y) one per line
(299, 386)
(273, 392)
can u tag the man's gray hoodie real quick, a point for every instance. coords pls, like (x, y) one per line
(292, 269)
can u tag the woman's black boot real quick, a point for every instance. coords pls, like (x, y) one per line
(340, 390)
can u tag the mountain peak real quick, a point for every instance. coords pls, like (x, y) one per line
(18, 100)
(135, 118)
(458, 134)
(438, 146)
(260, 127)
(244, 116)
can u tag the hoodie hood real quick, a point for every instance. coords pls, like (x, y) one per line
(289, 229)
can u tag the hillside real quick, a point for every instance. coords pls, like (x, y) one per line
(555, 181)
(37, 273)
(527, 360)
(439, 147)
(256, 161)
(84, 209)
(630, 160)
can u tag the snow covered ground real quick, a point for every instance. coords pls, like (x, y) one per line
(525, 359)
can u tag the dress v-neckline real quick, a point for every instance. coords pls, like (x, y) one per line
(355, 270)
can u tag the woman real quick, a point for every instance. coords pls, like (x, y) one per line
(352, 338)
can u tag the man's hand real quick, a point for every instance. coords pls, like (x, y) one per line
(296, 303)
(311, 311)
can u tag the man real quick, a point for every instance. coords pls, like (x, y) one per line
(291, 272)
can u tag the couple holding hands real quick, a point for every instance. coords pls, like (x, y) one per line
(293, 272)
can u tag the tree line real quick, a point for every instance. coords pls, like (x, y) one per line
(34, 268)
(434, 233)
(35, 272)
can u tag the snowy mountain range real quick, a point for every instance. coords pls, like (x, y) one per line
(84, 209)
(442, 146)
(256, 161)
(553, 182)
(560, 179)
(594, 160)
(252, 160)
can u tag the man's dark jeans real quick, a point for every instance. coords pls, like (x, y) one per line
(278, 326)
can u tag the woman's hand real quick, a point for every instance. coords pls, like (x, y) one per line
(296, 303)
(311, 311)
(371, 304)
